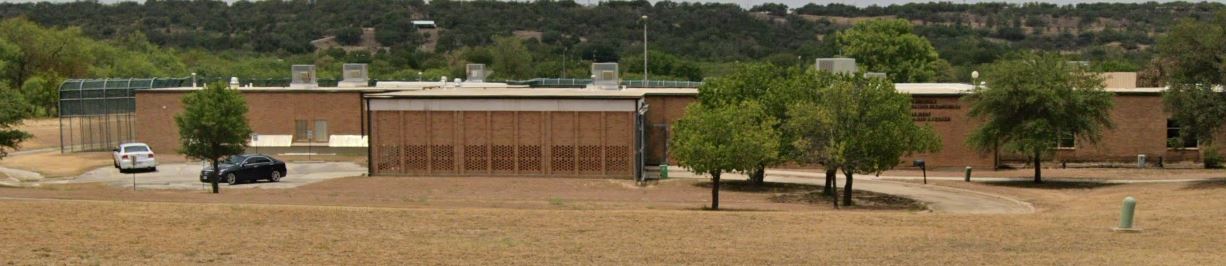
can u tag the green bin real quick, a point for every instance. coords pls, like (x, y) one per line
(664, 171)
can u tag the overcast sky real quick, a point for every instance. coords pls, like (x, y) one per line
(792, 3)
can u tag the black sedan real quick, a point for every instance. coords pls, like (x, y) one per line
(248, 167)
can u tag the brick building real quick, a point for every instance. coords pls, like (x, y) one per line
(521, 132)
(494, 129)
(422, 128)
(281, 118)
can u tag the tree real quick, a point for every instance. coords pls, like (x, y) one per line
(1200, 111)
(772, 87)
(11, 113)
(511, 59)
(888, 45)
(1031, 100)
(349, 35)
(1196, 50)
(213, 125)
(1194, 53)
(859, 126)
(721, 139)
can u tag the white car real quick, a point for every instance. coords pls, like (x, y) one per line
(132, 156)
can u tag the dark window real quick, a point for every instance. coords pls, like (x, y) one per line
(135, 149)
(1066, 140)
(1174, 140)
(257, 160)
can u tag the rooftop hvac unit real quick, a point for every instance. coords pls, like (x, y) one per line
(837, 65)
(605, 76)
(476, 72)
(879, 75)
(303, 76)
(355, 75)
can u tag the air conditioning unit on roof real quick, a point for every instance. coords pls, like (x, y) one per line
(837, 65)
(476, 72)
(355, 75)
(605, 76)
(303, 76)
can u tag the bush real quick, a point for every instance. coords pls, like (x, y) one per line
(1212, 159)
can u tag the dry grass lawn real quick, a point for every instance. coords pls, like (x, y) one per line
(45, 131)
(1088, 174)
(458, 223)
(54, 164)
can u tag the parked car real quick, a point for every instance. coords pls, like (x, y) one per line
(134, 156)
(243, 168)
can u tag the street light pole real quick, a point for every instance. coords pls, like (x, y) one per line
(644, 51)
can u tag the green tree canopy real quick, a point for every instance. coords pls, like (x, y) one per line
(771, 86)
(1195, 56)
(1196, 50)
(11, 114)
(889, 45)
(1031, 99)
(1198, 109)
(511, 59)
(720, 139)
(858, 125)
(213, 125)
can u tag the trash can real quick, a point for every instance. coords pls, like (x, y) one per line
(1140, 160)
(664, 171)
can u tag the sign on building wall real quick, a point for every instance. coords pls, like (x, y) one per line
(922, 110)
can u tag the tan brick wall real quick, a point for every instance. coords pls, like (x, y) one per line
(662, 110)
(947, 115)
(503, 143)
(1139, 128)
(269, 113)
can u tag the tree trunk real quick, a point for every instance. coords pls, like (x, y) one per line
(758, 176)
(1038, 174)
(715, 190)
(831, 174)
(847, 188)
(216, 177)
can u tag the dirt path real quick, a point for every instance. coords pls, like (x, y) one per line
(939, 199)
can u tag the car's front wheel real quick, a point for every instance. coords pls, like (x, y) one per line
(231, 179)
(275, 176)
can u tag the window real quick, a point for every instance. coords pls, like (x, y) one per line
(300, 130)
(1173, 138)
(257, 160)
(321, 131)
(1066, 140)
(135, 149)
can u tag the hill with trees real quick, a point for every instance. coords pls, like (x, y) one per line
(259, 39)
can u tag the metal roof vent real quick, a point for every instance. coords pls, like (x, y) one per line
(476, 72)
(355, 75)
(837, 65)
(303, 76)
(605, 76)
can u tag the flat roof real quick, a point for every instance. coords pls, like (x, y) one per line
(962, 89)
(277, 89)
(503, 92)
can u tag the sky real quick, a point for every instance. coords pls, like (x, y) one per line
(791, 3)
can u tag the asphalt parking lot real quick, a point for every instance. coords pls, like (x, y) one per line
(186, 176)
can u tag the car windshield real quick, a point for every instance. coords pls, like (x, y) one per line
(236, 159)
(136, 149)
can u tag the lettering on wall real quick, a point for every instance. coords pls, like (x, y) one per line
(919, 107)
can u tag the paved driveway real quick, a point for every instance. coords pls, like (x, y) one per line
(939, 199)
(186, 176)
